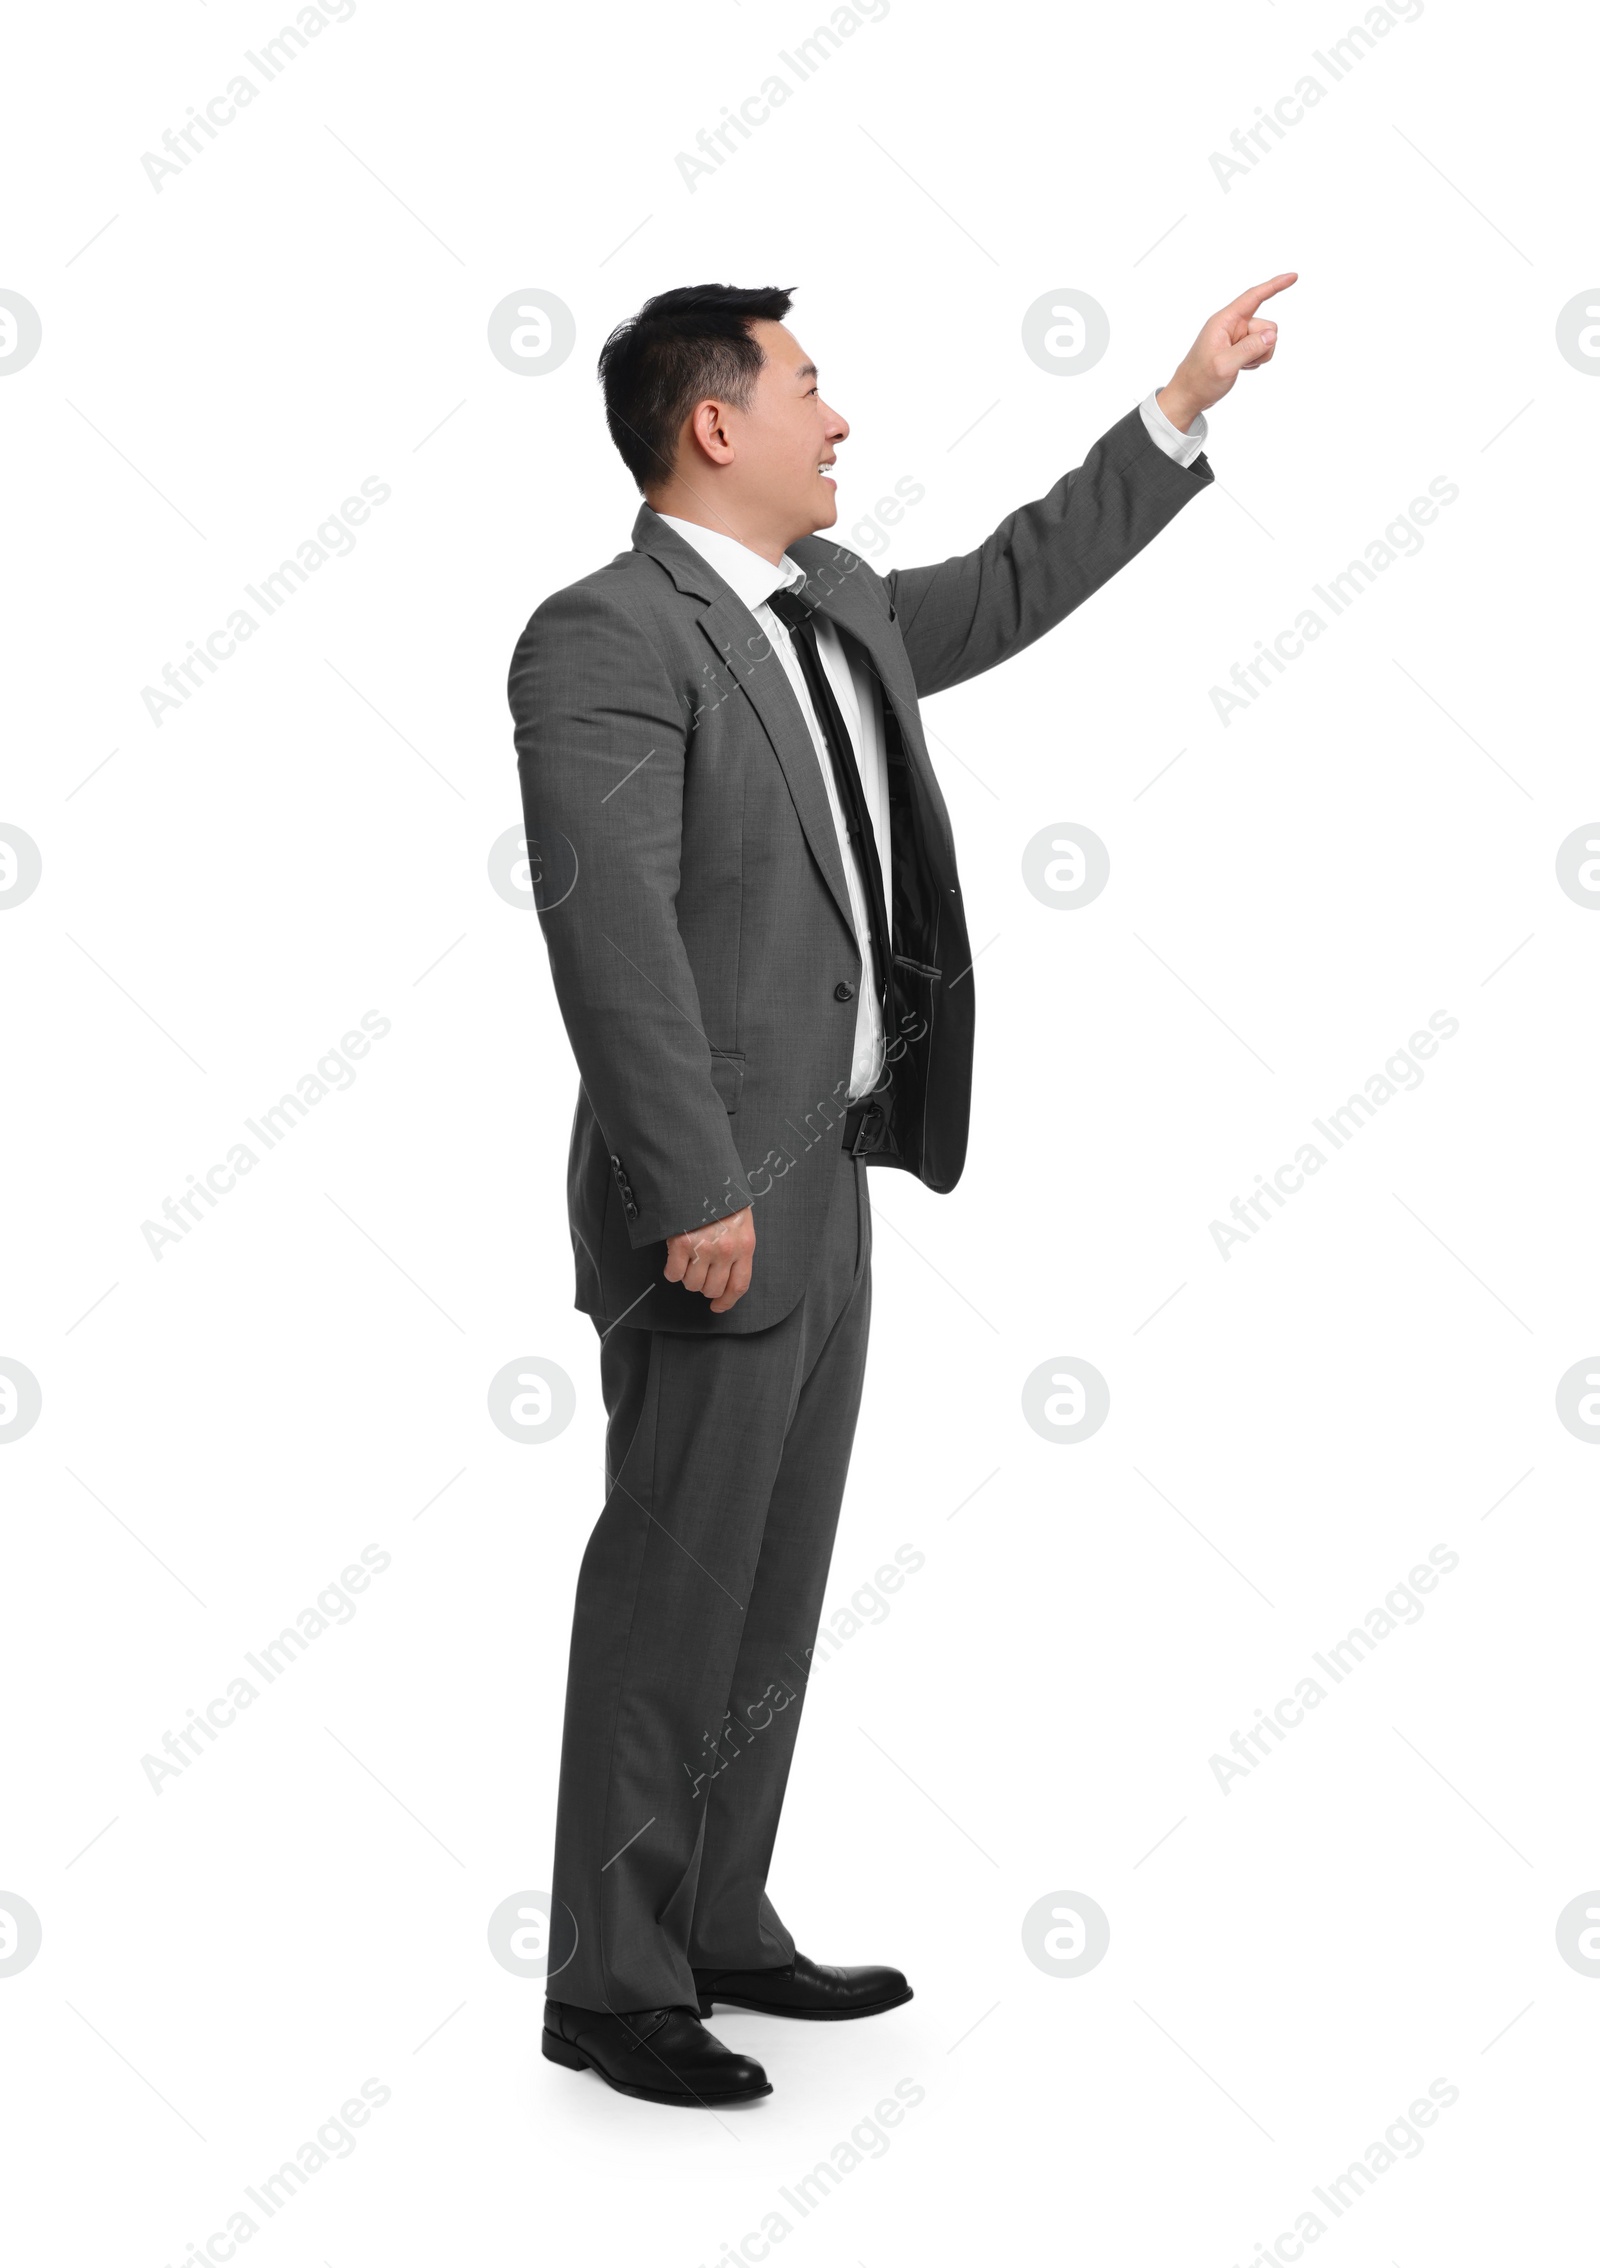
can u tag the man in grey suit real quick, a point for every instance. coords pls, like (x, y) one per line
(747, 886)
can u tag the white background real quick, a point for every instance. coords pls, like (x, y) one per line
(306, 838)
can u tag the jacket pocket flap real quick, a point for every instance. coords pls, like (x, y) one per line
(727, 1076)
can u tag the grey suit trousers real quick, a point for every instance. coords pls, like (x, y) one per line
(697, 1609)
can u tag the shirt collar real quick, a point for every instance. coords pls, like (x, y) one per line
(749, 576)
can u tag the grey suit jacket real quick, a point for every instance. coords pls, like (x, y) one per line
(691, 891)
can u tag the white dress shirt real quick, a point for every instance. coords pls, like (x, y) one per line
(855, 687)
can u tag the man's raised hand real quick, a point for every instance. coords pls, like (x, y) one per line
(1236, 338)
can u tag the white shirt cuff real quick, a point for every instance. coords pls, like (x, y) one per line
(1182, 448)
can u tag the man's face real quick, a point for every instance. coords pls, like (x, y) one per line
(786, 438)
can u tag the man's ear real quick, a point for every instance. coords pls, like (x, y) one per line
(706, 432)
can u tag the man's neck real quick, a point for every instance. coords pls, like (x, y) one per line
(672, 504)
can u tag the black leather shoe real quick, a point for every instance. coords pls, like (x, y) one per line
(804, 1988)
(662, 2055)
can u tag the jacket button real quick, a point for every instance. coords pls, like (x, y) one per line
(843, 991)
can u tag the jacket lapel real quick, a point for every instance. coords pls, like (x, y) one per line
(745, 659)
(838, 585)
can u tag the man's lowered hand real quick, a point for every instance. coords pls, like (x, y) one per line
(715, 1260)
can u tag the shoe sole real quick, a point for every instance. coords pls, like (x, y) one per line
(808, 2015)
(573, 2058)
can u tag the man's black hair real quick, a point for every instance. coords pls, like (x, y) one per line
(680, 348)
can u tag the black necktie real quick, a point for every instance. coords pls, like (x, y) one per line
(790, 608)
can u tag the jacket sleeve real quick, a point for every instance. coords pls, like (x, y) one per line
(601, 741)
(961, 617)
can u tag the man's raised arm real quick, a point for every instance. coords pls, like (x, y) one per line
(964, 615)
(961, 617)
